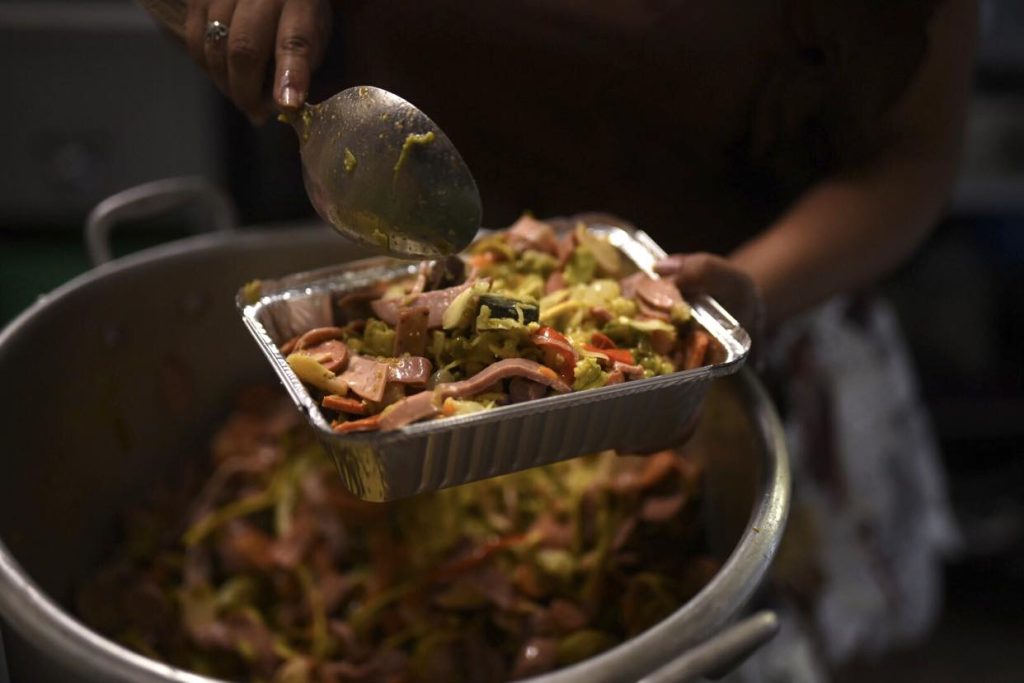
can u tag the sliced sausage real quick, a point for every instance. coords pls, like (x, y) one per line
(503, 369)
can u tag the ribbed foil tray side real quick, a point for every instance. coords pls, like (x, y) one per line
(632, 417)
(639, 421)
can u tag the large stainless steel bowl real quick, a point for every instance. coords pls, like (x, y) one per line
(111, 378)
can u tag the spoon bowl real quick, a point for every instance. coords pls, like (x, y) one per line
(376, 168)
(380, 172)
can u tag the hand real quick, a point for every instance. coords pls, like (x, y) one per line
(288, 35)
(722, 280)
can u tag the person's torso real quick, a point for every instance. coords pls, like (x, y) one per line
(656, 111)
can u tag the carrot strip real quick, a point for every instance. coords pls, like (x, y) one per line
(367, 424)
(344, 404)
(696, 349)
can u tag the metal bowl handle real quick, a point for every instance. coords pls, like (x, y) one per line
(153, 199)
(721, 653)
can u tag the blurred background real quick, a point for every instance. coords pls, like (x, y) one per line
(116, 106)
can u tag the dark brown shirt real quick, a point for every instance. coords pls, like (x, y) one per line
(698, 120)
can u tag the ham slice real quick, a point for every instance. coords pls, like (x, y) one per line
(366, 377)
(615, 377)
(355, 305)
(411, 331)
(628, 371)
(409, 370)
(530, 233)
(601, 315)
(410, 409)
(555, 282)
(435, 302)
(503, 369)
(446, 272)
(521, 390)
(566, 246)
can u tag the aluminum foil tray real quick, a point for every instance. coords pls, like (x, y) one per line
(638, 416)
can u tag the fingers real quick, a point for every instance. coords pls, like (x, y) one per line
(718, 277)
(701, 272)
(301, 38)
(195, 30)
(250, 48)
(215, 51)
(294, 33)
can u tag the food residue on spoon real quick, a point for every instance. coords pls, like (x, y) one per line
(252, 291)
(410, 141)
(350, 161)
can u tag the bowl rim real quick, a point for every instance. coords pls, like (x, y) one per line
(38, 619)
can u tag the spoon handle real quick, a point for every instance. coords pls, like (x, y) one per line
(169, 13)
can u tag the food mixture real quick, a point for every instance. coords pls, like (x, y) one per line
(526, 314)
(265, 569)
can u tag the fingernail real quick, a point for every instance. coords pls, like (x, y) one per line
(289, 97)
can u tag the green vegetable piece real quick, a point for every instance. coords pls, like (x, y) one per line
(459, 311)
(252, 291)
(496, 244)
(307, 369)
(583, 645)
(378, 338)
(581, 267)
(237, 592)
(487, 320)
(655, 364)
(588, 374)
(556, 562)
(505, 307)
(607, 257)
(536, 263)
(412, 140)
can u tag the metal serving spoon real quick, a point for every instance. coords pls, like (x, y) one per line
(376, 167)
(382, 173)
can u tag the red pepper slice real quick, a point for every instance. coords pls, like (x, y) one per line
(601, 341)
(558, 352)
(367, 424)
(344, 404)
(615, 355)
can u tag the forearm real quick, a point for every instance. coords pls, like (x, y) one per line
(845, 233)
(849, 230)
